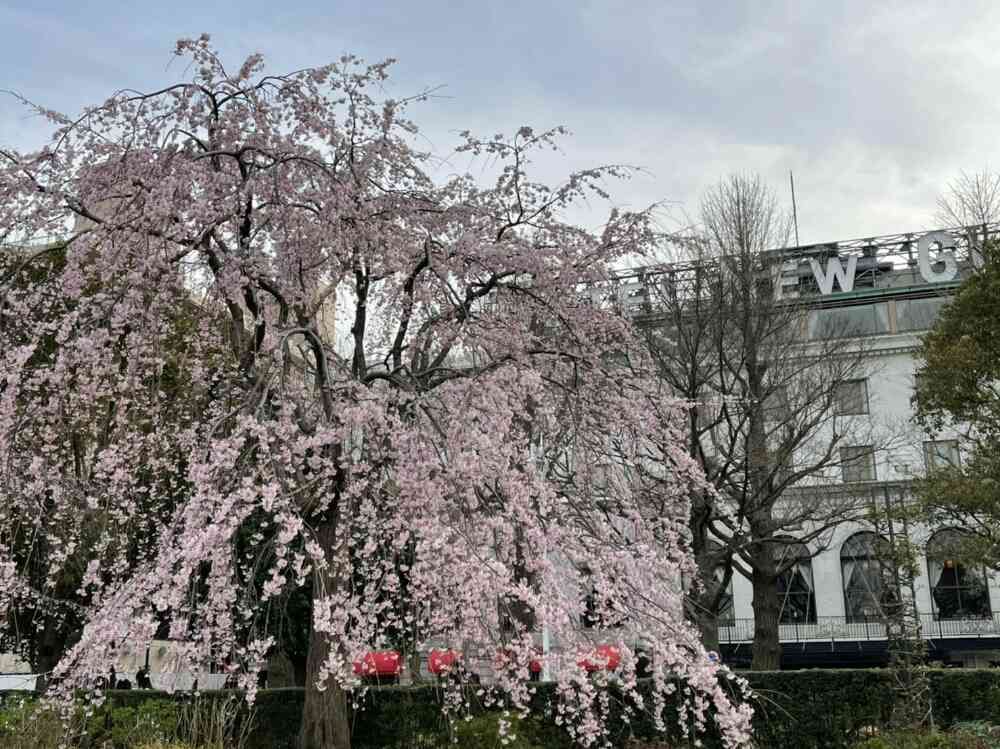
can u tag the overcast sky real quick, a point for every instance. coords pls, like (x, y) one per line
(874, 110)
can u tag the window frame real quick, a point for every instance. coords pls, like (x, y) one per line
(967, 579)
(832, 322)
(845, 463)
(802, 556)
(928, 448)
(864, 401)
(726, 616)
(871, 562)
(903, 316)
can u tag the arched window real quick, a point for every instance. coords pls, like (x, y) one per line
(958, 591)
(868, 587)
(795, 585)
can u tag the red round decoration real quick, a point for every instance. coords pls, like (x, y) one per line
(442, 661)
(605, 657)
(379, 663)
(505, 658)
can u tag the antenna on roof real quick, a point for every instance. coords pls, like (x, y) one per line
(795, 214)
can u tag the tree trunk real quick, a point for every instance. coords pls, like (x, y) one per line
(416, 661)
(704, 596)
(299, 670)
(707, 623)
(326, 721)
(766, 642)
(49, 648)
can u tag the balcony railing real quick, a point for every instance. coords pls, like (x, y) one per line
(833, 628)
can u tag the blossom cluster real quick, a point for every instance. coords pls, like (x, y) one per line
(273, 357)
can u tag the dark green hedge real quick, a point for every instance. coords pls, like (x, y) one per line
(828, 708)
(962, 695)
(821, 709)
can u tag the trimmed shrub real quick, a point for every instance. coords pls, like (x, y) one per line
(958, 738)
(962, 695)
(814, 709)
(819, 708)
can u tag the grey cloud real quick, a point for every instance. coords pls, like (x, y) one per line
(874, 108)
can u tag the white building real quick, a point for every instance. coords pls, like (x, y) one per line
(886, 291)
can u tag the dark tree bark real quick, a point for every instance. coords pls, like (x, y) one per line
(299, 670)
(704, 596)
(50, 646)
(706, 620)
(764, 420)
(326, 721)
(766, 642)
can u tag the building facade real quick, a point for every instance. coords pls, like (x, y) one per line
(878, 295)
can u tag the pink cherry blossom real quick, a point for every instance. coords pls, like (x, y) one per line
(274, 353)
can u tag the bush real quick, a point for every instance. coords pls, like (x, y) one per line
(149, 722)
(483, 732)
(220, 721)
(962, 695)
(26, 724)
(967, 736)
(817, 709)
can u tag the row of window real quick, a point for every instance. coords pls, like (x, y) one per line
(957, 590)
(894, 316)
(851, 398)
(857, 462)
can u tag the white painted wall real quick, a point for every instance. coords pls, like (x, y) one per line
(890, 389)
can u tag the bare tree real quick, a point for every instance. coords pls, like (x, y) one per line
(766, 423)
(971, 201)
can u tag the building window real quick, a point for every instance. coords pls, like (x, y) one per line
(776, 405)
(852, 397)
(940, 454)
(795, 586)
(868, 589)
(847, 322)
(857, 463)
(918, 314)
(958, 591)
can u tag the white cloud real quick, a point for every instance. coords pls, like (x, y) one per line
(874, 109)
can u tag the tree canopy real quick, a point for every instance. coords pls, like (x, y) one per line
(958, 387)
(400, 390)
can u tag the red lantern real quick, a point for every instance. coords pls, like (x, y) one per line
(442, 661)
(379, 663)
(505, 659)
(605, 657)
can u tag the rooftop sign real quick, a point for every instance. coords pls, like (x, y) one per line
(896, 261)
(935, 261)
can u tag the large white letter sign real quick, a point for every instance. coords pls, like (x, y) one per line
(945, 256)
(781, 281)
(834, 269)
